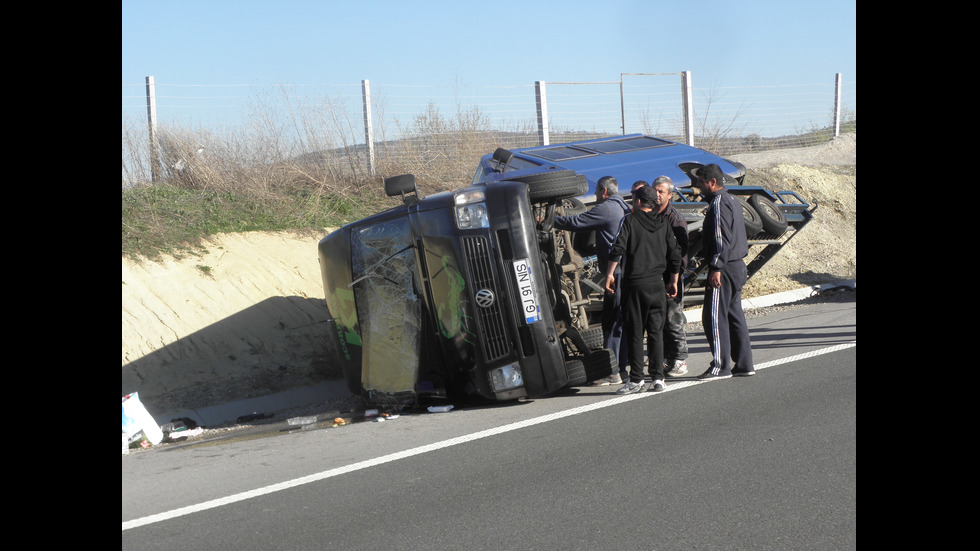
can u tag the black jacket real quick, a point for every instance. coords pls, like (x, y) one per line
(679, 225)
(724, 230)
(646, 247)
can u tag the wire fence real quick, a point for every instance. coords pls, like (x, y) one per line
(269, 123)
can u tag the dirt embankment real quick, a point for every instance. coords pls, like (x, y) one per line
(244, 318)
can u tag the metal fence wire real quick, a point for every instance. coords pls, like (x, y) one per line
(167, 126)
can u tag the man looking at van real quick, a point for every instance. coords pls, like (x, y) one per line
(675, 338)
(647, 240)
(605, 218)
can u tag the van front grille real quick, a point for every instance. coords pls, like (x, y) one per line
(493, 332)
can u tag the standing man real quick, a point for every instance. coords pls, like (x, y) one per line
(637, 185)
(605, 218)
(725, 245)
(675, 337)
(646, 238)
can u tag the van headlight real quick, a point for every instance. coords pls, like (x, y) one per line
(471, 210)
(507, 377)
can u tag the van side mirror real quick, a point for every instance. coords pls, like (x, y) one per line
(400, 185)
(503, 157)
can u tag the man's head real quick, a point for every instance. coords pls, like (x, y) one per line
(645, 198)
(637, 185)
(664, 188)
(710, 179)
(606, 187)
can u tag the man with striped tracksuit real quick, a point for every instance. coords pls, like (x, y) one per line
(725, 245)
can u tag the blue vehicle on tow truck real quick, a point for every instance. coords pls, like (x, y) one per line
(772, 218)
(465, 294)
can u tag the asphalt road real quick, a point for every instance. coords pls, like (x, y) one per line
(766, 462)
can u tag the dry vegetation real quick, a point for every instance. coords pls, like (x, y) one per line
(300, 166)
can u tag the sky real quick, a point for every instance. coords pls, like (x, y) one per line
(729, 43)
(501, 42)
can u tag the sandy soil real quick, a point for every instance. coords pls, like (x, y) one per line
(244, 318)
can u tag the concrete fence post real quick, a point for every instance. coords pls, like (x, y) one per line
(837, 105)
(688, 102)
(541, 101)
(151, 117)
(368, 129)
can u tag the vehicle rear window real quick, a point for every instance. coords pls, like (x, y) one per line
(564, 152)
(627, 144)
(561, 153)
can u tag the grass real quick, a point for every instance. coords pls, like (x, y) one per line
(163, 219)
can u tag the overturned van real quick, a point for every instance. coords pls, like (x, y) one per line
(450, 294)
(473, 292)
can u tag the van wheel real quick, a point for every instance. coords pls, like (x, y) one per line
(593, 338)
(551, 186)
(600, 363)
(753, 223)
(575, 369)
(572, 206)
(773, 219)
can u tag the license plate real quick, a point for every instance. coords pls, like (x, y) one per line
(525, 291)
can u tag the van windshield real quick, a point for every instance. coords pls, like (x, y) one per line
(388, 305)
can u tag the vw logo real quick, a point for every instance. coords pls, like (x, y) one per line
(484, 298)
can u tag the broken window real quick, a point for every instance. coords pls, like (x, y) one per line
(388, 306)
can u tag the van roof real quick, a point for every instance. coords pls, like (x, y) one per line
(627, 158)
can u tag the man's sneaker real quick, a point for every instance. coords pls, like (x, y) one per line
(743, 373)
(658, 386)
(632, 388)
(679, 370)
(713, 373)
(613, 379)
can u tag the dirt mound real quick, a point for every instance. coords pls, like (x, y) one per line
(241, 320)
(244, 318)
(826, 249)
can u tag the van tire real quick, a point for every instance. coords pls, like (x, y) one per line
(600, 363)
(550, 186)
(753, 222)
(773, 219)
(593, 338)
(575, 369)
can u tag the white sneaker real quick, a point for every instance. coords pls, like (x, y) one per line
(658, 386)
(613, 379)
(632, 388)
(679, 370)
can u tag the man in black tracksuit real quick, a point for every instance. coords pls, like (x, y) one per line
(725, 245)
(650, 249)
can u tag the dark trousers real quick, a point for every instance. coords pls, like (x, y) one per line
(612, 323)
(724, 322)
(645, 309)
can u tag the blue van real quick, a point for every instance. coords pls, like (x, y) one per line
(772, 218)
(627, 158)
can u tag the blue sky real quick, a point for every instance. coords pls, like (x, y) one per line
(723, 43)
